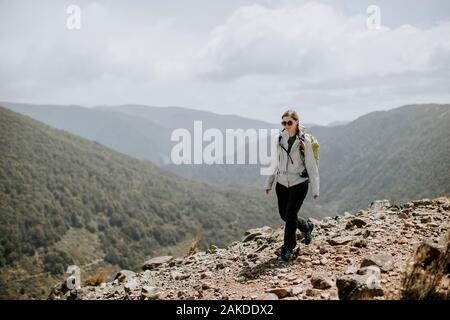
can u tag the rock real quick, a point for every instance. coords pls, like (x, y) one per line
(383, 260)
(339, 241)
(223, 264)
(323, 261)
(313, 292)
(321, 281)
(323, 250)
(370, 270)
(380, 216)
(358, 287)
(262, 247)
(205, 286)
(325, 295)
(58, 291)
(267, 296)
(425, 219)
(251, 234)
(124, 275)
(379, 205)
(150, 293)
(351, 270)
(367, 233)
(281, 292)
(156, 262)
(403, 215)
(302, 259)
(408, 205)
(176, 275)
(355, 222)
(427, 272)
(250, 237)
(131, 285)
(360, 243)
(205, 274)
(422, 202)
(291, 277)
(296, 290)
(212, 248)
(175, 262)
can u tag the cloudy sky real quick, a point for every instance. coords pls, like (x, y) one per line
(251, 58)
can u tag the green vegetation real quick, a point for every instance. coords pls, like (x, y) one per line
(400, 155)
(52, 181)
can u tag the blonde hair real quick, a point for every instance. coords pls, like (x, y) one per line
(294, 115)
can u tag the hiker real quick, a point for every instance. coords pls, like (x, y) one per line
(295, 166)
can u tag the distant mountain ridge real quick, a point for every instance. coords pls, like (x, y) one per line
(347, 160)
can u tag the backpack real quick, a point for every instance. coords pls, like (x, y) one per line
(315, 147)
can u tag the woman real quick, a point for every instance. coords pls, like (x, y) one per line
(294, 167)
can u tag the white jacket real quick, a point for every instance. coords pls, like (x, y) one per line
(288, 173)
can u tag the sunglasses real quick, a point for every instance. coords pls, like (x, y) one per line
(289, 123)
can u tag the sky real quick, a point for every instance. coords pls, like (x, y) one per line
(329, 60)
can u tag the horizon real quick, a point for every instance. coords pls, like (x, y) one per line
(331, 123)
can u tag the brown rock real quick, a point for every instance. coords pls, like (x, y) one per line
(355, 222)
(403, 215)
(339, 241)
(358, 287)
(156, 262)
(383, 260)
(281, 292)
(321, 281)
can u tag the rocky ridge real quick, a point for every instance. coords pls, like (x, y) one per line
(368, 254)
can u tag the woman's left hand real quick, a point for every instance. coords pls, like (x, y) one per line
(315, 196)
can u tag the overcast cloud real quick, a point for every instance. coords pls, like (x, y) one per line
(251, 58)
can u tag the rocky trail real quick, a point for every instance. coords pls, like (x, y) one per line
(361, 255)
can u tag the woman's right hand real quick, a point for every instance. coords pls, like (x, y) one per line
(268, 191)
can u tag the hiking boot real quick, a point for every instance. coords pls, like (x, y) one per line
(308, 233)
(285, 255)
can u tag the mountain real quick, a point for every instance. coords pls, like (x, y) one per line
(144, 132)
(179, 117)
(337, 123)
(371, 156)
(384, 252)
(66, 200)
(399, 155)
(135, 136)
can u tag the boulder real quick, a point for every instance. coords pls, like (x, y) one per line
(383, 260)
(321, 281)
(358, 287)
(150, 293)
(281, 292)
(339, 241)
(124, 275)
(253, 233)
(267, 296)
(427, 274)
(422, 202)
(156, 262)
(379, 205)
(355, 222)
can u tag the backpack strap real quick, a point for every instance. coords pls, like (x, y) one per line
(301, 147)
(279, 142)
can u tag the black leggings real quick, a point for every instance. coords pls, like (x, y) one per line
(289, 202)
